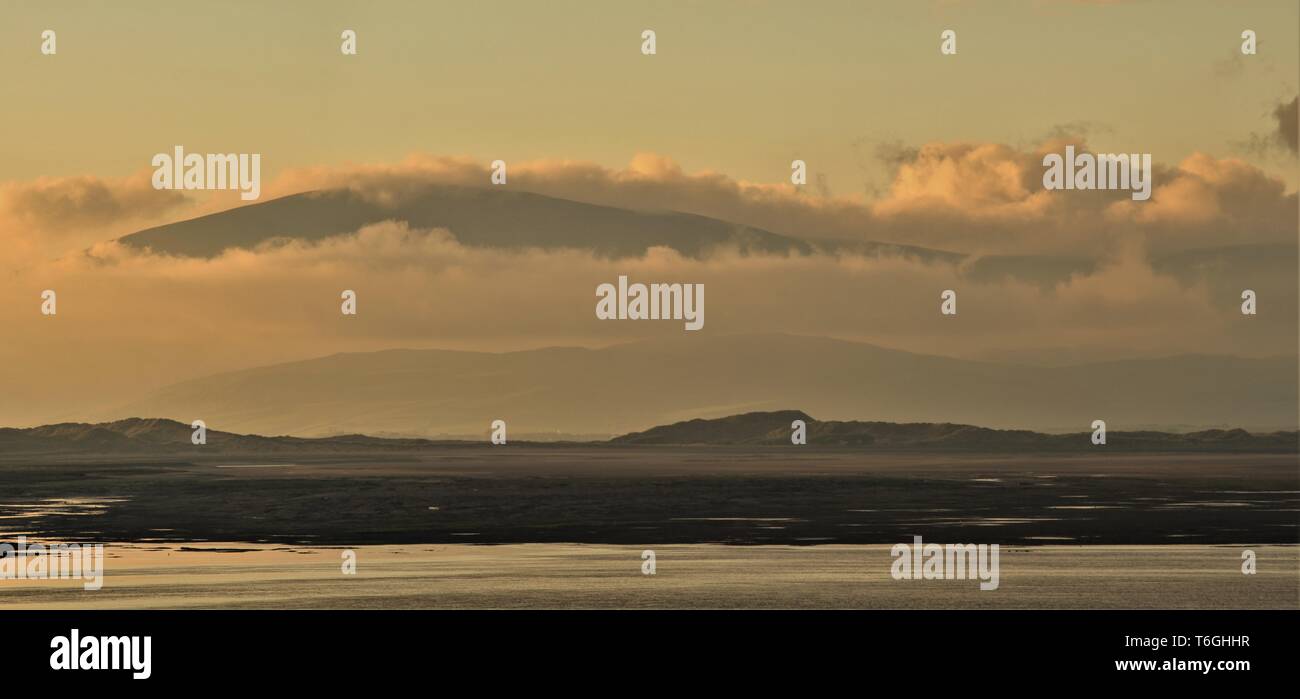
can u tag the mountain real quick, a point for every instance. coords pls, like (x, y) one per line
(497, 217)
(635, 386)
(140, 437)
(774, 429)
(481, 217)
(161, 437)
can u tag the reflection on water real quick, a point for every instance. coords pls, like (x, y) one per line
(560, 576)
(58, 507)
(735, 519)
(979, 521)
(30, 514)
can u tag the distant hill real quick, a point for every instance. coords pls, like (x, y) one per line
(774, 429)
(497, 217)
(635, 386)
(160, 437)
(481, 217)
(139, 437)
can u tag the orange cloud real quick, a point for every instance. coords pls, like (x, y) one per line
(975, 198)
(50, 215)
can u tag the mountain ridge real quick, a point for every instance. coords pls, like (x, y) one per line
(775, 428)
(486, 217)
(162, 437)
(633, 386)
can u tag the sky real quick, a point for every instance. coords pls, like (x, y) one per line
(903, 145)
(740, 87)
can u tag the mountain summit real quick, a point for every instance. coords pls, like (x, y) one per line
(476, 217)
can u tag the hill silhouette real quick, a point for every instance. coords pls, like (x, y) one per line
(160, 437)
(774, 428)
(482, 217)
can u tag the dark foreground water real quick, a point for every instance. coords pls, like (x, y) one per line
(633, 496)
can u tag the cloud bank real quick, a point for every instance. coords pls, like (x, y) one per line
(130, 321)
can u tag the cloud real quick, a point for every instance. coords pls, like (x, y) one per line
(976, 198)
(51, 215)
(1280, 142)
(974, 181)
(965, 197)
(1288, 127)
(131, 321)
(1207, 201)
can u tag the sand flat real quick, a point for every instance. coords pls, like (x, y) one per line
(693, 576)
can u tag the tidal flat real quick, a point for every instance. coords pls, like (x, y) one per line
(660, 495)
(565, 526)
(692, 576)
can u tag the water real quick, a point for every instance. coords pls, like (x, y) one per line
(692, 576)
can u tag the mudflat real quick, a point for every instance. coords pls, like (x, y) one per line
(699, 576)
(660, 495)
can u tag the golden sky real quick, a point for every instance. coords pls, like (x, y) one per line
(903, 145)
(737, 86)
